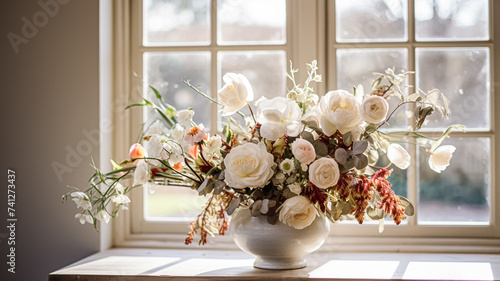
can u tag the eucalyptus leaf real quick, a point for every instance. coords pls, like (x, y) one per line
(341, 156)
(347, 138)
(256, 208)
(360, 161)
(219, 187)
(320, 148)
(409, 208)
(375, 213)
(235, 203)
(359, 147)
(307, 136)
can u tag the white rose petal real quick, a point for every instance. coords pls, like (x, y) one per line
(235, 93)
(374, 109)
(248, 165)
(297, 212)
(304, 151)
(324, 173)
(339, 111)
(141, 173)
(440, 158)
(398, 156)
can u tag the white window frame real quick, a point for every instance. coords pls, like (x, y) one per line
(306, 40)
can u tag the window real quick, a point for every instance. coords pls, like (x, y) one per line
(450, 44)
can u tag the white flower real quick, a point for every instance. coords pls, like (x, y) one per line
(185, 116)
(248, 165)
(287, 166)
(324, 173)
(173, 152)
(177, 133)
(154, 146)
(102, 215)
(84, 218)
(339, 111)
(297, 212)
(440, 158)
(141, 173)
(398, 156)
(295, 188)
(374, 109)
(304, 151)
(235, 93)
(82, 200)
(195, 134)
(313, 115)
(155, 128)
(212, 147)
(278, 117)
(119, 197)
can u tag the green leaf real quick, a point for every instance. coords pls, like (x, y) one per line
(158, 96)
(409, 208)
(228, 132)
(359, 147)
(165, 117)
(307, 136)
(143, 103)
(375, 213)
(347, 138)
(115, 166)
(320, 148)
(235, 203)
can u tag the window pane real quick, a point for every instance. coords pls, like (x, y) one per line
(172, 202)
(463, 74)
(265, 70)
(251, 22)
(166, 71)
(461, 193)
(371, 20)
(450, 20)
(176, 22)
(356, 66)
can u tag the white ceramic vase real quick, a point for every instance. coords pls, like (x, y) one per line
(277, 246)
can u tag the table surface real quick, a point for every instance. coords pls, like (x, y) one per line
(173, 264)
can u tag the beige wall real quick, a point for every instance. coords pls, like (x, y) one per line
(49, 97)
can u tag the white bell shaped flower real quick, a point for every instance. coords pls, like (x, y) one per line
(440, 158)
(235, 93)
(398, 156)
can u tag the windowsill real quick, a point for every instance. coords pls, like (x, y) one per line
(174, 264)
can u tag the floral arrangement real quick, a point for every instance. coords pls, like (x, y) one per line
(295, 158)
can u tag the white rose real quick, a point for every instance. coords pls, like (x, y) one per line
(248, 165)
(297, 212)
(141, 173)
(185, 116)
(304, 151)
(212, 147)
(278, 117)
(398, 156)
(324, 173)
(440, 158)
(235, 93)
(374, 109)
(339, 111)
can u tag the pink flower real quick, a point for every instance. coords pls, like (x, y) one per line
(195, 135)
(304, 151)
(136, 151)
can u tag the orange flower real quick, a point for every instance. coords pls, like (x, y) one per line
(136, 151)
(178, 167)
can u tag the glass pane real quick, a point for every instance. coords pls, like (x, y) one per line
(450, 20)
(166, 71)
(463, 74)
(356, 66)
(265, 70)
(176, 22)
(170, 202)
(371, 20)
(461, 193)
(251, 22)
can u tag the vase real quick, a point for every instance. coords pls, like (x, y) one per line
(277, 246)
